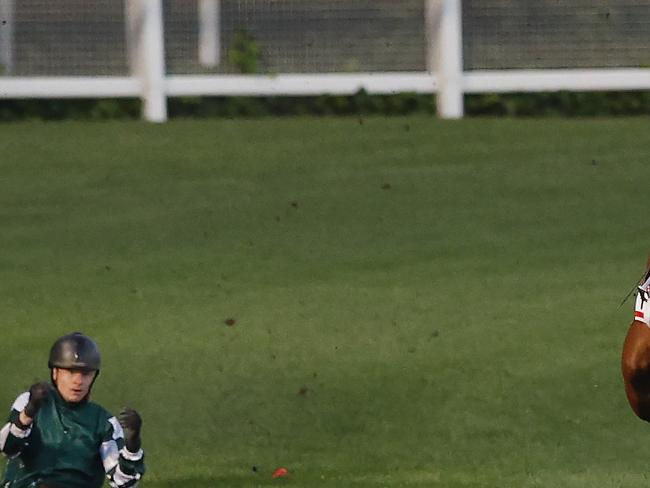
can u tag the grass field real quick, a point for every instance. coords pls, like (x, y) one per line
(415, 302)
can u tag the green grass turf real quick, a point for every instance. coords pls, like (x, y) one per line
(416, 302)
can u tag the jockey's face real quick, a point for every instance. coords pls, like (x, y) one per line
(73, 384)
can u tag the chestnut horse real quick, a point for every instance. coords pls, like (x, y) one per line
(636, 366)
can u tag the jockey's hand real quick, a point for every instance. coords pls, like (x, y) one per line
(131, 423)
(37, 395)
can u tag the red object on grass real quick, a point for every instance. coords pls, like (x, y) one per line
(280, 473)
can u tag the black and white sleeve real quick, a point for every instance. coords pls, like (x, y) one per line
(123, 468)
(13, 435)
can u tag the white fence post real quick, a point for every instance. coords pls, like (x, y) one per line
(133, 19)
(210, 33)
(153, 62)
(148, 55)
(7, 37)
(445, 56)
(432, 26)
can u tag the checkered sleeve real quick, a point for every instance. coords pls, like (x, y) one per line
(12, 437)
(123, 468)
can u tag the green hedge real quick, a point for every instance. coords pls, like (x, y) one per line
(58, 109)
(567, 104)
(564, 104)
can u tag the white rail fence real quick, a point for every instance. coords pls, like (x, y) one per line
(148, 79)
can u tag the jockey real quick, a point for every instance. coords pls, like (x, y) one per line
(57, 438)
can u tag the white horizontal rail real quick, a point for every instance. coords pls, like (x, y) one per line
(70, 87)
(297, 85)
(327, 83)
(505, 81)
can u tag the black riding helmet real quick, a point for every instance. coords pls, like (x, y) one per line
(75, 351)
